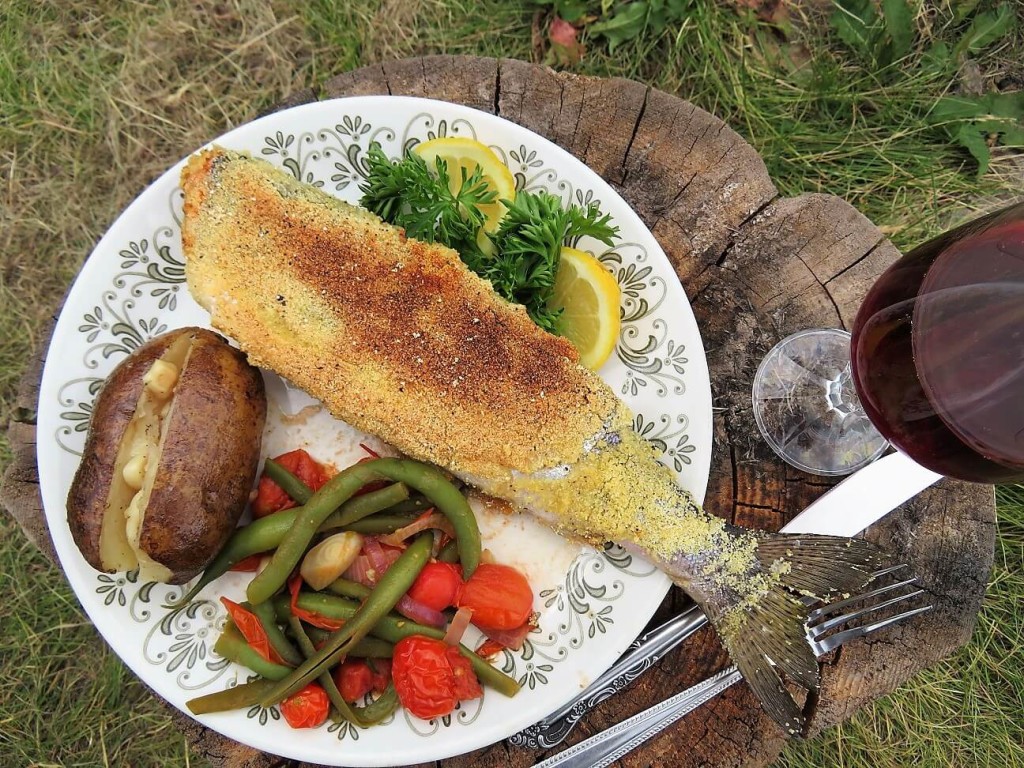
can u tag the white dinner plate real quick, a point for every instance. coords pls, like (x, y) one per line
(592, 605)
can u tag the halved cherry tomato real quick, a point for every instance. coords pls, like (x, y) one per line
(499, 596)
(249, 625)
(269, 496)
(247, 564)
(306, 709)
(437, 586)
(489, 649)
(354, 679)
(310, 617)
(431, 677)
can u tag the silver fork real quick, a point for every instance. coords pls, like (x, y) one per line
(641, 655)
(608, 746)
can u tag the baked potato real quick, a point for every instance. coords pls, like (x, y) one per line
(170, 457)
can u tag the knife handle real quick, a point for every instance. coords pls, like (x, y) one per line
(608, 746)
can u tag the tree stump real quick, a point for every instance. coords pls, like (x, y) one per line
(756, 267)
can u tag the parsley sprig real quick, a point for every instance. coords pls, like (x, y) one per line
(522, 268)
(408, 195)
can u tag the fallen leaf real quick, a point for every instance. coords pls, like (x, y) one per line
(566, 49)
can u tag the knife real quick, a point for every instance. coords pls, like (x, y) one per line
(859, 501)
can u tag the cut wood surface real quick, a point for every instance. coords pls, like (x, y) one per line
(756, 267)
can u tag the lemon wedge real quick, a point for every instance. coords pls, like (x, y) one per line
(460, 153)
(589, 296)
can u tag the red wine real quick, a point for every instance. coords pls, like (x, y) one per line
(938, 351)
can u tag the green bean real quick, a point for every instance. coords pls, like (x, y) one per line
(244, 695)
(393, 628)
(260, 535)
(380, 707)
(366, 716)
(373, 648)
(369, 647)
(357, 508)
(418, 503)
(301, 523)
(394, 583)
(294, 544)
(325, 679)
(380, 524)
(266, 533)
(347, 588)
(449, 552)
(232, 646)
(288, 481)
(268, 620)
(445, 496)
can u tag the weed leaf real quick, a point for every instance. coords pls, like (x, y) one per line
(856, 21)
(899, 23)
(626, 24)
(974, 141)
(963, 9)
(986, 29)
(937, 58)
(570, 10)
(972, 121)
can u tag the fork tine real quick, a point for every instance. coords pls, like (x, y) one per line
(886, 571)
(840, 605)
(819, 629)
(834, 641)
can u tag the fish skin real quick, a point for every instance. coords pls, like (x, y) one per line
(398, 338)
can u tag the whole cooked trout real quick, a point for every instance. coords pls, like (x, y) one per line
(398, 338)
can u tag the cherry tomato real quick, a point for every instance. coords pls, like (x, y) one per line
(269, 496)
(431, 677)
(499, 596)
(381, 669)
(306, 709)
(437, 586)
(466, 685)
(354, 679)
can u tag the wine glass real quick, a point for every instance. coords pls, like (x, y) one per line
(934, 366)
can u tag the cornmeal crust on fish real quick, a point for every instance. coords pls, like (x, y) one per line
(398, 338)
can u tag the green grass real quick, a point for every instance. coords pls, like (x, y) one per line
(98, 98)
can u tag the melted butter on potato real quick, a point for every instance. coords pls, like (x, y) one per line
(136, 467)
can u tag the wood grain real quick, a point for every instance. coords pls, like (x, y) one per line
(756, 267)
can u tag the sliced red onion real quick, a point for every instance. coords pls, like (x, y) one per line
(460, 622)
(509, 638)
(361, 571)
(422, 523)
(380, 558)
(420, 613)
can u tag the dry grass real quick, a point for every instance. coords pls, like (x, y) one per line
(99, 97)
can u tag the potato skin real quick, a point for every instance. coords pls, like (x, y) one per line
(209, 460)
(208, 463)
(111, 414)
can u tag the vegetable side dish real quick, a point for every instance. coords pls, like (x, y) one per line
(363, 592)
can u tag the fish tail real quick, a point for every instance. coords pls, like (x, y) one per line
(762, 623)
